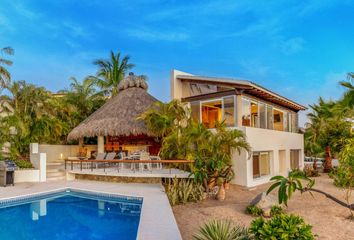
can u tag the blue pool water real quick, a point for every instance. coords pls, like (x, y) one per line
(70, 215)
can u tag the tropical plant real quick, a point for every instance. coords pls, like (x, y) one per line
(111, 72)
(276, 210)
(254, 210)
(33, 118)
(222, 230)
(286, 227)
(181, 191)
(287, 186)
(5, 76)
(81, 100)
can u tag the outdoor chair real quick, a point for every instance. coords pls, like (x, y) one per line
(110, 156)
(142, 166)
(100, 156)
(158, 165)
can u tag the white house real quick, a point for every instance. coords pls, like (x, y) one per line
(269, 121)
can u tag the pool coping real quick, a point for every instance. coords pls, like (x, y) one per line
(156, 218)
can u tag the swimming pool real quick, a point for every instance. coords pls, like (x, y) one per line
(70, 214)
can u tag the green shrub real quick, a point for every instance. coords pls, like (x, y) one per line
(222, 230)
(181, 191)
(276, 210)
(21, 163)
(281, 226)
(254, 210)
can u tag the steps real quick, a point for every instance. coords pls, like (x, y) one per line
(55, 171)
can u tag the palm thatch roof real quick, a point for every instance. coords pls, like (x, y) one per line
(118, 117)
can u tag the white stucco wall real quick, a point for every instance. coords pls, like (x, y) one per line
(27, 175)
(266, 140)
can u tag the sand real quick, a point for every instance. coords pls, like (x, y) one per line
(329, 220)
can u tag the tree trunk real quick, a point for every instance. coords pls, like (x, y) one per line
(347, 205)
(221, 193)
(328, 160)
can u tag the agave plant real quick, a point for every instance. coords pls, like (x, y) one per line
(222, 230)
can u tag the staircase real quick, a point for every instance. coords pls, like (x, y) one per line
(55, 170)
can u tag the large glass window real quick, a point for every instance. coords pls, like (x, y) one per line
(211, 113)
(246, 112)
(261, 164)
(195, 111)
(294, 159)
(229, 111)
(254, 114)
(278, 120)
(262, 116)
(269, 117)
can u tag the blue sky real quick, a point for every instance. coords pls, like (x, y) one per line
(300, 49)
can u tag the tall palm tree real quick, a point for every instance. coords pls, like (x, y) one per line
(111, 72)
(84, 97)
(5, 76)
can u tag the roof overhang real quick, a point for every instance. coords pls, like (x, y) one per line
(247, 87)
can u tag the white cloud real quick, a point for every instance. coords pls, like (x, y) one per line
(152, 35)
(292, 45)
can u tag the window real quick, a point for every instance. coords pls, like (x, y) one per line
(294, 122)
(261, 164)
(211, 113)
(246, 112)
(195, 111)
(278, 120)
(294, 159)
(254, 114)
(269, 117)
(229, 111)
(262, 115)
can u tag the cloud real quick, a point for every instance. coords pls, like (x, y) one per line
(23, 10)
(152, 35)
(292, 45)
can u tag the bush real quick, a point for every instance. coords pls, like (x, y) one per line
(254, 210)
(276, 210)
(21, 163)
(181, 191)
(222, 230)
(282, 227)
(310, 172)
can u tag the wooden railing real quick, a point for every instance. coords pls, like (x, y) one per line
(104, 162)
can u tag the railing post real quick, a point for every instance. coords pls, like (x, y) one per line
(71, 165)
(65, 165)
(81, 166)
(91, 166)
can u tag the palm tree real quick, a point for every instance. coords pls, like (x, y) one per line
(111, 72)
(5, 76)
(83, 97)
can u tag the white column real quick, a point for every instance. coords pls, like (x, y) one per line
(81, 142)
(100, 144)
(238, 110)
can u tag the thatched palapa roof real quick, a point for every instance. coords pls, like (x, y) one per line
(118, 117)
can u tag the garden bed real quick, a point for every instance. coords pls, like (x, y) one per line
(329, 220)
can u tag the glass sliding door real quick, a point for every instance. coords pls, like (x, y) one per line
(269, 117)
(262, 116)
(229, 111)
(294, 159)
(195, 111)
(254, 114)
(211, 113)
(261, 164)
(278, 120)
(246, 112)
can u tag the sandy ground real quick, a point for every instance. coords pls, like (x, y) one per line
(329, 220)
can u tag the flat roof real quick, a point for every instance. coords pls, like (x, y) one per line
(248, 87)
